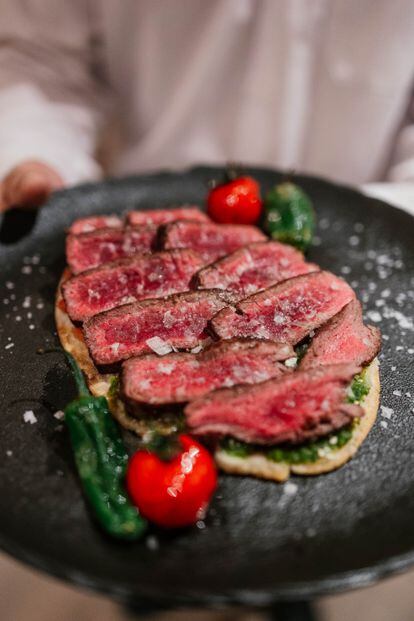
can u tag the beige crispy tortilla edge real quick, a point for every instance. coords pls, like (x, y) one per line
(71, 339)
(257, 465)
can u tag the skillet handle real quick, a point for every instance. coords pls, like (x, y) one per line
(16, 224)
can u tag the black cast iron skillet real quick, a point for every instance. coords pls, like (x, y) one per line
(262, 542)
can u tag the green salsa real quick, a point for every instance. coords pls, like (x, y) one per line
(113, 390)
(358, 389)
(308, 452)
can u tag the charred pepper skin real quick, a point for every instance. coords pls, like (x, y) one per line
(289, 215)
(101, 461)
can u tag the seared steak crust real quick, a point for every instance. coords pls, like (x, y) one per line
(128, 280)
(94, 223)
(253, 268)
(163, 216)
(343, 339)
(296, 407)
(210, 239)
(286, 312)
(182, 377)
(177, 321)
(89, 250)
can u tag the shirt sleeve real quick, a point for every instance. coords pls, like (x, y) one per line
(401, 167)
(53, 96)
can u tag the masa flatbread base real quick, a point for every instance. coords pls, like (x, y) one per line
(72, 340)
(257, 465)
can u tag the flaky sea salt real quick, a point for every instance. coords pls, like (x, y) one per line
(197, 349)
(29, 417)
(404, 322)
(159, 346)
(152, 543)
(279, 318)
(374, 316)
(291, 362)
(166, 369)
(290, 489)
(386, 412)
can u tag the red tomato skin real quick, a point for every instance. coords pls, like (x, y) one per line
(173, 493)
(235, 202)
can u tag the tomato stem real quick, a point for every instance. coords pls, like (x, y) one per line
(165, 447)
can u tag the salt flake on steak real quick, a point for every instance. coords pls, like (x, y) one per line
(159, 346)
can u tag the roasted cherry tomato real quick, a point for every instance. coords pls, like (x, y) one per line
(175, 492)
(235, 202)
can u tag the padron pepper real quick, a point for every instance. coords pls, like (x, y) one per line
(289, 215)
(101, 461)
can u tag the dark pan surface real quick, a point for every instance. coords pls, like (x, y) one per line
(261, 541)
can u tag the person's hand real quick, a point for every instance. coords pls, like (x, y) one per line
(28, 185)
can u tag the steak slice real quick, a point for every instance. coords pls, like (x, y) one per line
(178, 321)
(296, 407)
(182, 377)
(128, 280)
(286, 312)
(88, 250)
(163, 216)
(254, 267)
(210, 239)
(94, 223)
(344, 339)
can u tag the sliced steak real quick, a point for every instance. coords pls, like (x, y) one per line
(128, 280)
(163, 216)
(181, 377)
(210, 239)
(88, 250)
(286, 312)
(296, 407)
(94, 223)
(178, 321)
(253, 268)
(344, 339)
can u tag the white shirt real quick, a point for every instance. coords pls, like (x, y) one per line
(323, 86)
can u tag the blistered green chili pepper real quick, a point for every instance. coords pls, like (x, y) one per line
(101, 461)
(289, 215)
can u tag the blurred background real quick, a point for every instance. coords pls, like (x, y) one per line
(28, 595)
(96, 87)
